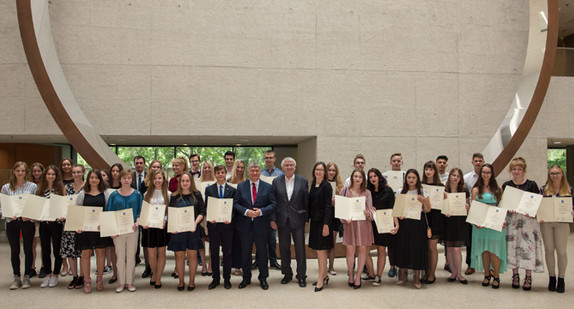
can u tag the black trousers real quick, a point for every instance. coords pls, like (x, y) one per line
(285, 234)
(51, 232)
(247, 240)
(220, 235)
(28, 229)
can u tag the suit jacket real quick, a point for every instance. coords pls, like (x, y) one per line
(228, 192)
(135, 179)
(320, 206)
(265, 201)
(295, 209)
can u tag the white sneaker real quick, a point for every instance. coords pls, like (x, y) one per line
(131, 288)
(377, 281)
(120, 288)
(17, 283)
(46, 282)
(53, 282)
(26, 282)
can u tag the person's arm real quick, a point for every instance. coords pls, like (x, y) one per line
(200, 208)
(269, 209)
(328, 207)
(237, 206)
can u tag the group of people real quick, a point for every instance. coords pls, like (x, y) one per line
(284, 206)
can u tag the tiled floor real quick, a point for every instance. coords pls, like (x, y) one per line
(336, 294)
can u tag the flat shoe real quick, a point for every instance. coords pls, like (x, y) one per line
(451, 279)
(190, 288)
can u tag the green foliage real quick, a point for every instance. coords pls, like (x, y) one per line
(557, 156)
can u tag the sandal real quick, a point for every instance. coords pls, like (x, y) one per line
(99, 284)
(486, 280)
(497, 280)
(87, 285)
(527, 285)
(515, 281)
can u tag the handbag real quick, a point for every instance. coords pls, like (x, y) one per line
(429, 231)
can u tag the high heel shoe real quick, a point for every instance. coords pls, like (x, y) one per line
(497, 280)
(356, 287)
(487, 279)
(515, 281)
(527, 285)
(325, 281)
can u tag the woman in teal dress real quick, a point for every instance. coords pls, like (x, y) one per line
(488, 246)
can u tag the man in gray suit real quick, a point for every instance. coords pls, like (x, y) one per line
(292, 196)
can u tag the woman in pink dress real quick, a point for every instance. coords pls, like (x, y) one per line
(358, 233)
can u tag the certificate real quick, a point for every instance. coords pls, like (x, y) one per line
(36, 208)
(84, 218)
(454, 204)
(59, 205)
(181, 219)
(202, 186)
(395, 179)
(219, 209)
(408, 206)
(436, 196)
(152, 215)
(555, 209)
(13, 205)
(268, 179)
(334, 187)
(233, 185)
(350, 208)
(522, 202)
(384, 220)
(117, 222)
(488, 216)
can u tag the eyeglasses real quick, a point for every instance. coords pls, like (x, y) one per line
(486, 173)
(555, 174)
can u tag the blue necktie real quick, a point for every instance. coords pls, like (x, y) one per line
(220, 191)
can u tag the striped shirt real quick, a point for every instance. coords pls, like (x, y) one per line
(27, 188)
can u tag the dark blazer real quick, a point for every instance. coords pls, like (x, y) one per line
(295, 209)
(320, 206)
(265, 201)
(228, 192)
(134, 181)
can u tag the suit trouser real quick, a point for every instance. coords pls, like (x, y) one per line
(126, 251)
(28, 229)
(247, 239)
(285, 234)
(555, 236)
(51, 232)
(220, 234)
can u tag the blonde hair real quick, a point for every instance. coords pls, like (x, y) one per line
(147, 179)
(192, 189)
(13, 179)
(201, 178)
(234, 178)
(520, 162)
(151, 187)
(564, 186)
(339, 182)
(182, 161)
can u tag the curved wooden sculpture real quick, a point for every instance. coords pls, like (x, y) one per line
(36, 33)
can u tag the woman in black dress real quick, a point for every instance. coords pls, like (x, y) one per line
(333, 176)
(455, 232)
(383, 198)
(93, 195)
(155, 240)
(187, 243)
(320, 214)
(430, 177)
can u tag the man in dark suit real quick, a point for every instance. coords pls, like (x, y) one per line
(292, 194)
(220, 233)
(138, 184)
(252, 222)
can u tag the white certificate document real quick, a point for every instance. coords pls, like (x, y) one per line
(84, 218)
(334, 187)
(488, 216)
(408, 206)
(152, 215)
(233, 185)
(219, 209)
(522, 202)
(455, 204)
(117, 222)
(13, 205)
(268, 179)
(555, 209)
(180, 219)
(203, 185)
(36, 208)
(395, 179)
(59, 205)
(384, 220)
(436, 196)
(350, 208)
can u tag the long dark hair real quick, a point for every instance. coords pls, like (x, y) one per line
(363, 186)
(382, 180)
(324, 167)
(460, 185)
(57, 186)
(435, 178)
(492, 184)
(418, 185)
(101, 185)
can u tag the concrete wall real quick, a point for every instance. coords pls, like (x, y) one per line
(373, 77)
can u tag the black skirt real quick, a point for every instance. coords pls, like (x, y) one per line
(185, 241)
(155, 238)
(436, 223)
(92, 240)
(455, 232)
(412, 244)
(316, 239)
(385, 239)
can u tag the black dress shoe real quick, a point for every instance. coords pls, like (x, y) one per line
(190, 288)
(465, 282)
(244, 283)
(254, 265)
(157, 286)
(264, 284)
(286, 279)
(174, 275)
(33, 273)
(213, 284)
(227, 284)
(146, 273)
(302, 283)
(112, 280)
(275, 265)
(181, 288)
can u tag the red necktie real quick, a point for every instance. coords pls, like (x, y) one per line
(254, 193)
